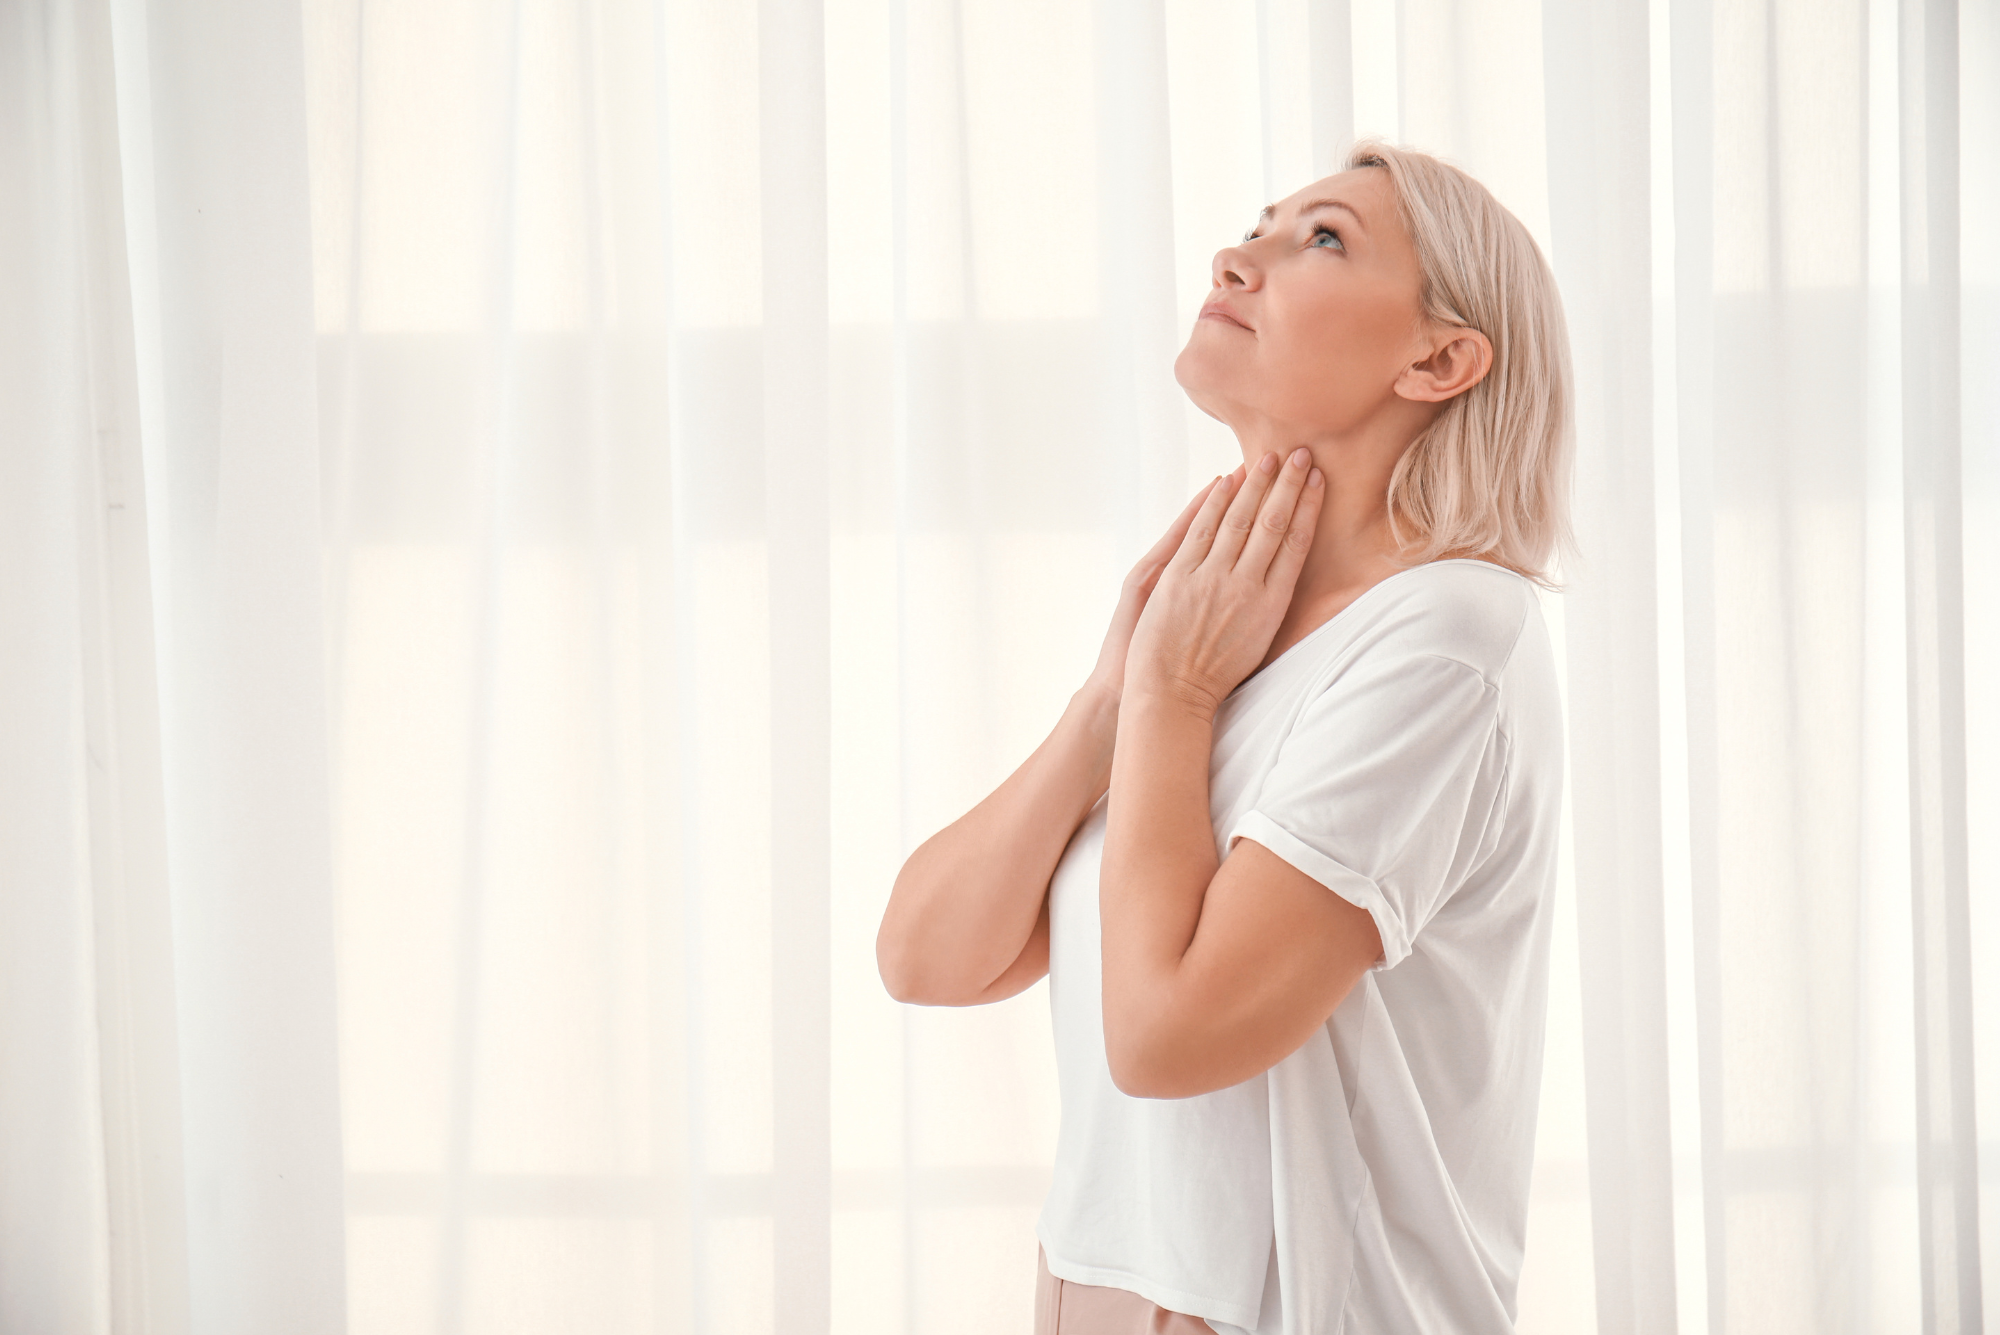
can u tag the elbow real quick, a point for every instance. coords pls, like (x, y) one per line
(892, 961)
(897, 959)
(1132, 1079)
(906, 975)
(900, 958)
(1142, 1062)
(1146, 1080)
(1172, 1049)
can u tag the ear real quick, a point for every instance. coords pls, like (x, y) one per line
(1458, 360)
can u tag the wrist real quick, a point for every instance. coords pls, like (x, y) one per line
(1169, 698)
(1097, 700)
(1093, 716)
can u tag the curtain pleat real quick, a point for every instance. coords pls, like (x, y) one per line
(1145, 441)
(1774, 348)
(1691, 104)
(1600, 223)
(172, 1020)
(1947, 1150)
(792, 130)
(1978, 38)
(136, 1016)
(233, 516)
(55, 1214)
(516, 518)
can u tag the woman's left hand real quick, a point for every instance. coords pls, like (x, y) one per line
(1221, 598)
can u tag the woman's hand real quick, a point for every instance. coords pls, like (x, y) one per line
(1108, 677)
(1215, 606)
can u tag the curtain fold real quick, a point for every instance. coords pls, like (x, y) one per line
(792, 193)
(54, 1216)
(234, 529)
(1597, 76)
(177, 989)
(516, 518)
(1934, 600)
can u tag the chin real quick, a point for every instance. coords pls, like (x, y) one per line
(1198, 379)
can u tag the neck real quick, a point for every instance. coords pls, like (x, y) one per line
(1352, 549)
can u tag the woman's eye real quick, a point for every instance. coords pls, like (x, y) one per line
(1249, 236)
(1319, 232)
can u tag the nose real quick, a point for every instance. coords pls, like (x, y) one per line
(1233, 267)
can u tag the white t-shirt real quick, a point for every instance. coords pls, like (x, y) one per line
(1407, 755)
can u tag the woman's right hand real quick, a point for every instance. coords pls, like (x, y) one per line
(967, 919)
(1108, 677)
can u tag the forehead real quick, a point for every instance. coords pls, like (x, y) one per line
(1366, 190)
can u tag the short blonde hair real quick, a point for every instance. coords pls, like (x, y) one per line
(1490, 477)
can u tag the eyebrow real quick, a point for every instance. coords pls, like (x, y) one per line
(1270, 210)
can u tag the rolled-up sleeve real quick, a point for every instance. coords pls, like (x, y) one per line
(1377, 785)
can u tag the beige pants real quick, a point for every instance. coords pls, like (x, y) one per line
(1063, 1308)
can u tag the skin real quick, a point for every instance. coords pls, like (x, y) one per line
(1322, 362)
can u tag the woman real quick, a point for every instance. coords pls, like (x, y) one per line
(1284, 1109)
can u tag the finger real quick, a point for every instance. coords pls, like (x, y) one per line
(1146, 574)
(1298, 540)
(1241, 516)
(1274, 517)
(1202, 528)
(1165, 547)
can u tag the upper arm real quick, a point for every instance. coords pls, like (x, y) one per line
(1374, 789)
(1272, 955)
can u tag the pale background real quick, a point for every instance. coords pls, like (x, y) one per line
(520, 513)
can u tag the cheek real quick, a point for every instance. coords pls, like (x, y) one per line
(1339, 343)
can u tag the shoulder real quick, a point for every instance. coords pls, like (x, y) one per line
(1469, 611)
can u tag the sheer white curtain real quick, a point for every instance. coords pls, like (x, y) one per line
(514, 517)
(169, 1101)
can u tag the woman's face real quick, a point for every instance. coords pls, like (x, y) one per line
(1314, 317)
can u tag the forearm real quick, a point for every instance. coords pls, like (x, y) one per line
(966, 901)
(1159, 858)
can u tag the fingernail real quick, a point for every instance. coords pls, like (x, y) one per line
(1313, 479)
(1268, 463)
(1301, 457)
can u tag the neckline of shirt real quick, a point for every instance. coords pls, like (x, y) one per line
(1316, 631)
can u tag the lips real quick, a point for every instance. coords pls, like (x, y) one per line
(1217, 310)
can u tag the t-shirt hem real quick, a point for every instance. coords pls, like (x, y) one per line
(1344, 881)
(1174, 1300)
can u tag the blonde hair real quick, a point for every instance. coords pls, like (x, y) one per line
(1490, 476)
